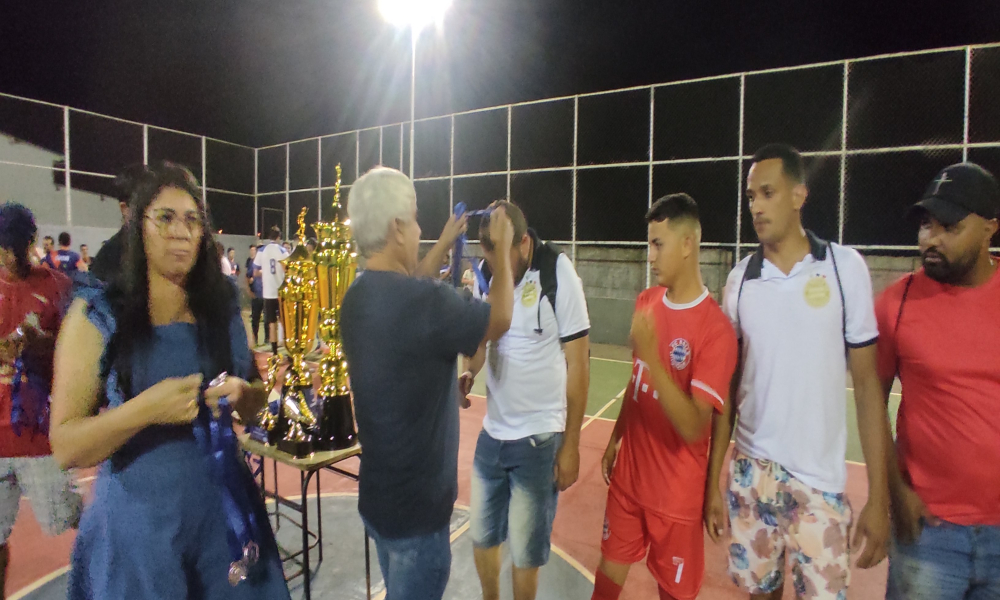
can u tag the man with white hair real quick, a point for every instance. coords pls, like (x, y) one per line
(403, 331)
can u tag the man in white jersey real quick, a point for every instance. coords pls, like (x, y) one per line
(538, 373)
(804, 312)
(271, 261)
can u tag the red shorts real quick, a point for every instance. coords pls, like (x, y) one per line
(676, 549)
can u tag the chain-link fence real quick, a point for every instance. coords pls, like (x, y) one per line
(873, 131)
(60, 162)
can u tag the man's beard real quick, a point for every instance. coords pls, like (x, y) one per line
(946, 271)
(520, 269)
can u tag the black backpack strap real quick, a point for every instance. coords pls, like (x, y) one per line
(899, 317)
(545, 259)
(754, 267)
(843, 299)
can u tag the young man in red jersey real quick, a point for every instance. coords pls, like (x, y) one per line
(939, 331)
(684, 358)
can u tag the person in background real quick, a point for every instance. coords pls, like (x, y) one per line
(227, 267)
(231, 255)
(128, 396)
(270, 259)
(536, 395)
(287, 247)
(403, 331)
(32, 302)
(311, 246)
(68, 260)
(939, 332)
(108, 261)
(85, 259)
(683, 363)
(254, 276)
(50, 258)
(803, 310)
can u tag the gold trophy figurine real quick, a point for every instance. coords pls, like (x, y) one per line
(299, 315)
(336, 262)
(268, 428)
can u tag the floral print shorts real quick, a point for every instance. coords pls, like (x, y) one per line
(773, 514)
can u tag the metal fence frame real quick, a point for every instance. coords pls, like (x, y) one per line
(68, 111)
(843, 152)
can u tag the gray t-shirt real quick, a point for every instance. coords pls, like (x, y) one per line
(402, 336)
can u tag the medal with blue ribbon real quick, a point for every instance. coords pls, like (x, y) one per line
(243, 531)
(29, 393)
(457, 253)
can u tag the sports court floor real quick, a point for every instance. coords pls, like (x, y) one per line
(38, 564)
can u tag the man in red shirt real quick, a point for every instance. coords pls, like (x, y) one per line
(939, 332)
(684, 358)
(32, 302)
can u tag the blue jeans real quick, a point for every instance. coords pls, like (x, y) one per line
(947, 562)
(513, 487)
(415, 568)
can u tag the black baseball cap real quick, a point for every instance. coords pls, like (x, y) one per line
(959, 191)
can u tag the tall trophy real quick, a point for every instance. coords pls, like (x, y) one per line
(269, 427)
(299, 316)
(336, 261)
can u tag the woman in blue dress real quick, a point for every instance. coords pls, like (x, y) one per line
(174, 509)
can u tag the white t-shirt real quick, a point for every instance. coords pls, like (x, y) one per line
(227, 267)
(791, 400)
(526, 369)
(269, 259)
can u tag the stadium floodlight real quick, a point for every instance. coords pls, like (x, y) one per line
(414, 15)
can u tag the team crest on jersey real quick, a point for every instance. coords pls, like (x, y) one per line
(680, 354)
(529, 296)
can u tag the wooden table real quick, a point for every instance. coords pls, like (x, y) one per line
(307, 467)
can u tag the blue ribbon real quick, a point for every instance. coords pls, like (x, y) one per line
(243, 531)
(456, 255)
(28, 383)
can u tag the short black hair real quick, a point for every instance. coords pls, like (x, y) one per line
(311, 242)
(673, 207)
(517, 220)
(64, 239)
(48, 238)
(82, 246)
(124, 184)
(254, 246)
(275, 233)
(230, 249)
(17, 232)
(791, 160)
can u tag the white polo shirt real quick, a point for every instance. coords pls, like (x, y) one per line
(791, 400)
(526, 368)
(269, 259)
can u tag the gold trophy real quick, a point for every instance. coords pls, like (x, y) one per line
(336, 262)
(267, 427)
(299, 316)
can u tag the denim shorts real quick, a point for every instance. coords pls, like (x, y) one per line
(947, 562)
(514, 490)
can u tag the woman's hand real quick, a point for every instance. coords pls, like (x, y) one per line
(173, 401)
(232, 387)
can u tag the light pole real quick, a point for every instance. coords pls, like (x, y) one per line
(414, 15)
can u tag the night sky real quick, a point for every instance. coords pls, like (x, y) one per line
(265, 71)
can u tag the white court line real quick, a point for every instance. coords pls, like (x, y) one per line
(23, 592)
(603, 408)
(624, 362)
(890, 393)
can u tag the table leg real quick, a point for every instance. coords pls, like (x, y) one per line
(368, 568)
(306, 575)
(277, 507)
(319, 517)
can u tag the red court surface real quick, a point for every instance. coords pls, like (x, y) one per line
(577, 529)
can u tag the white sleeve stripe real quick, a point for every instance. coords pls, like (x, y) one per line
(701, 385)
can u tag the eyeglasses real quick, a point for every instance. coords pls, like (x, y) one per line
(165, 218)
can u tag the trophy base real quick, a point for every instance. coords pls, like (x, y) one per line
(336, 426)
(298, 449)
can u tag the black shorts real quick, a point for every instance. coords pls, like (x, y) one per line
(270, 311)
